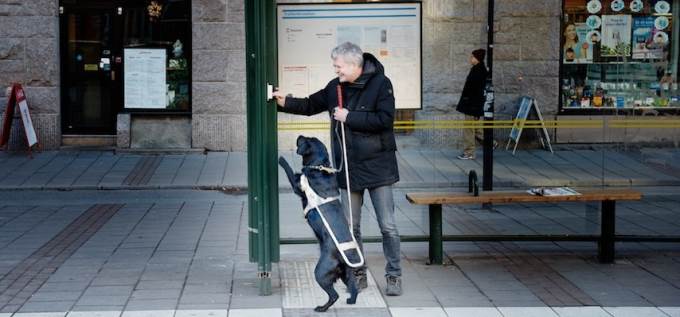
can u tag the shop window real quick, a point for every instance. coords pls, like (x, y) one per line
(618, 55)
(158, 30)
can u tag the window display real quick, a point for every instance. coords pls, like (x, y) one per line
(162, 24)
(619, 54)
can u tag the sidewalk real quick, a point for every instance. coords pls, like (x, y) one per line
(68, 248)
(72, 170)
(185, 253)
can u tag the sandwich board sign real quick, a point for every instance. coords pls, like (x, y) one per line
(17, 99)
(525, 106)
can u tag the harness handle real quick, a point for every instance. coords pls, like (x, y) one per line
(339, 91)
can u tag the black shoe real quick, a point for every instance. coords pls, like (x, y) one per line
(393, 286)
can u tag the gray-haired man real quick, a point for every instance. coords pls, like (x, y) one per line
(368, 114)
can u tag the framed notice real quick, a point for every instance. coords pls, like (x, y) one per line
(390, 31)
(145, 82)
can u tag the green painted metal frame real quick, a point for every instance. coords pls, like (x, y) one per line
(263, 204)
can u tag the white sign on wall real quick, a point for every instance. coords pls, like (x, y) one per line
(391, 31)
(145, 86)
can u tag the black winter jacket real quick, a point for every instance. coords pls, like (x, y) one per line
(369, 125)
(472, 99)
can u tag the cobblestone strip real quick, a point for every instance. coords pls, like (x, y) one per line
(143, 170)
(543, 281)
(17, 286)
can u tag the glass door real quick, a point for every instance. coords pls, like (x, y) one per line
(91, 59)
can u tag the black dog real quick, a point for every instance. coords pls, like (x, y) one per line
(317, 186)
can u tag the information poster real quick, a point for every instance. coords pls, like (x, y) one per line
(644, 45)
(307, 33)
(145, 86)
(616, 35)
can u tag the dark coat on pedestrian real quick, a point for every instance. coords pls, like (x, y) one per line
(472, 99)
(369, 127)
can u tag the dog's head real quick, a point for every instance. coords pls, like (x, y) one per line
(313, 152)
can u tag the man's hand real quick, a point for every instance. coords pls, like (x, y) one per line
(280, 98)
(340, 114)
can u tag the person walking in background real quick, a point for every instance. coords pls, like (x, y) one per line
(368, 115)
(471, 102)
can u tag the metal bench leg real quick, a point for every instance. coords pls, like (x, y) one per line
(605, 246)
(436, 248)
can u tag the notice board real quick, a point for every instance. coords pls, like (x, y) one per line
(390, 31)
(145, 86)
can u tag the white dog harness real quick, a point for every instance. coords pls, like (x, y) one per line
(314, 201)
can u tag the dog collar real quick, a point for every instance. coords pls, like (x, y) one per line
(322, 168)
(313, 199)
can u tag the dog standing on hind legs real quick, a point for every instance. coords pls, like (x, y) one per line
(317, 187)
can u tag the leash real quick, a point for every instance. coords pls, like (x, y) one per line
(344, 160)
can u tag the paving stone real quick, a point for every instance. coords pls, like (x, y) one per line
(46, 307)
(269, 312)
(56, 296)
(54, 314)
(589, 311)
(472, 311)
(635, 311)
(97, 308)
(417, 311)
(94, 314)
(149, 313)
(671, 311)
(151, 304)
(526, 311)
(202, 313)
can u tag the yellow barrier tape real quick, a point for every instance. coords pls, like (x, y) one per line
(502, 124)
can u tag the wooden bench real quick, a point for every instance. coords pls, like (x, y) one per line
(607, 197)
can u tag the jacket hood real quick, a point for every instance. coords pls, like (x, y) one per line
(372, 67)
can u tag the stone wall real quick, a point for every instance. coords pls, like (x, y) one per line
(29, 55)
(218, 72)
(526, 58)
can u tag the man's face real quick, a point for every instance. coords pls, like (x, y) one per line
(347, 72)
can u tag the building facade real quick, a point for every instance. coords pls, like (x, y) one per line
(87, 67)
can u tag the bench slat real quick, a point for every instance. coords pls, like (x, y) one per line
(519, 196)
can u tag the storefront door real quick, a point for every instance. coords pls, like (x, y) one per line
(91, 59)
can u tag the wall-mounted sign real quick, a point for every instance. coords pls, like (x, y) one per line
(390, 31)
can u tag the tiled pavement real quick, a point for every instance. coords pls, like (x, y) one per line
(177, 249)
(418, 168)
(184, 253)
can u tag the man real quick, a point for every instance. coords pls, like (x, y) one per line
(471, 102)
(368, 115)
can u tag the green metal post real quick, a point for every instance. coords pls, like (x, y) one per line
(262, 141)
(436, 247)
(271, 140)
(251, 108)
